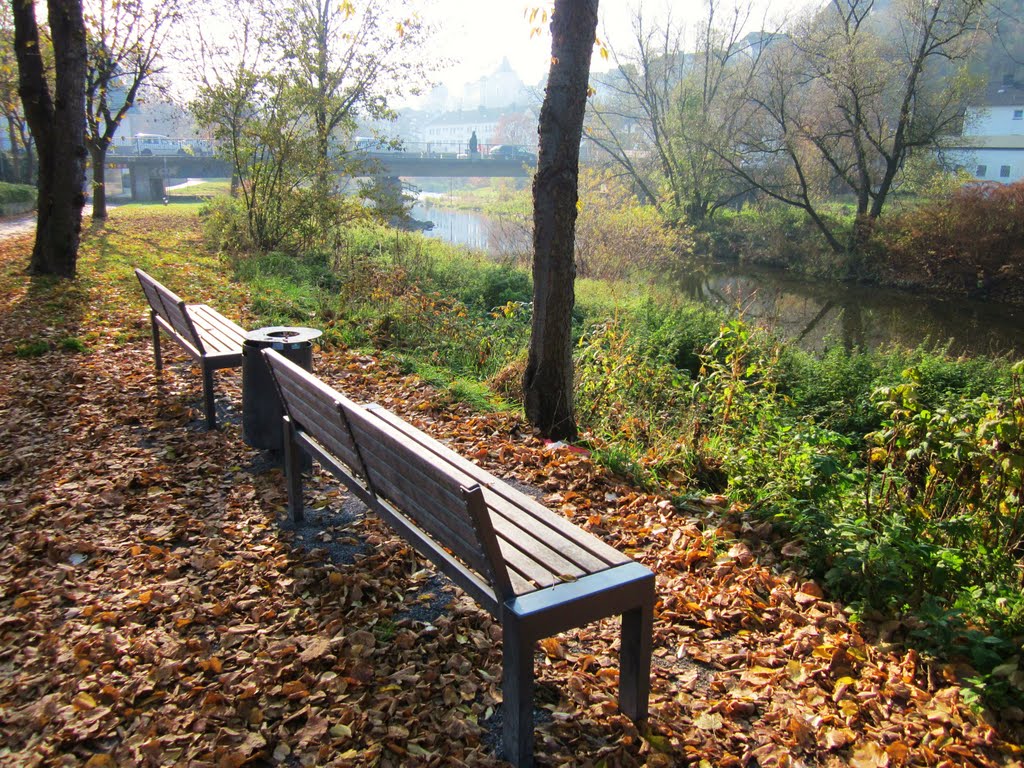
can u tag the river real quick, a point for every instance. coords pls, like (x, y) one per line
(815, 314)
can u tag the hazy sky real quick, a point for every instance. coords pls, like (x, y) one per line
(478, 33)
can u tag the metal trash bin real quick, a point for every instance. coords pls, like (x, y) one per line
(261, 406)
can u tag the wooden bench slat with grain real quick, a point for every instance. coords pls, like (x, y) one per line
(205, 334)
(589, 555)
(534, 571)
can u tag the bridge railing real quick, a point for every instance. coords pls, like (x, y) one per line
(445, 150)
(149, 144)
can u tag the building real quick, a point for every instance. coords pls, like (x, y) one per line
(501, 89)
(451, 131)
(992, 145)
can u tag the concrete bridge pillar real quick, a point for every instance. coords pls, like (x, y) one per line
(147, 184)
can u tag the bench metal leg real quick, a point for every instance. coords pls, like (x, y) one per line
(635, 662)
(211, 409)
(157, 358)
(293, 472)
(517, 694)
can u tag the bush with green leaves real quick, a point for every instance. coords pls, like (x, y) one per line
(957, 472)
(16, 193)
(779, 235)
(634, 407)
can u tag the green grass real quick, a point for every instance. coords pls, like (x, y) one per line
(203, 191)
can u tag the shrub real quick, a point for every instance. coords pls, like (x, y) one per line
(224, 225)
(971, 242)
(781, 236)
(635, 407)
(16, 193)
(616, 238)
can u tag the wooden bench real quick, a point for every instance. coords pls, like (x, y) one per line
(534, 571)
(209, 337)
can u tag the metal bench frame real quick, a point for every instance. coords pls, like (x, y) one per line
(534, 571)
(205, 334)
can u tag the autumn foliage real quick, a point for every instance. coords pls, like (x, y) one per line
(157, 609)
(971, 243)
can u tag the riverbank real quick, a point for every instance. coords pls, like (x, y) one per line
(812, 313)
(967, 246)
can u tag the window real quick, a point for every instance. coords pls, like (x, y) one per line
(1018, 114)
(1004, 171)
(981, 171)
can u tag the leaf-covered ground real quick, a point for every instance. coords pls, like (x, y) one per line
(157, 609)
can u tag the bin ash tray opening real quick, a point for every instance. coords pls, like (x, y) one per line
(282, 337)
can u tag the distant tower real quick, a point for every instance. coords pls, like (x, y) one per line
(500, 89)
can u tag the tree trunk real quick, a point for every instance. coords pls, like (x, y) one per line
(57, 123)
(548, 380)
(98, 155)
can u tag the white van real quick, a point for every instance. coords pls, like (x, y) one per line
(148, 144)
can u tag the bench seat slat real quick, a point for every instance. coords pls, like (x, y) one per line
(218, 333)
(516, 548)
(586, 550)
(573, 549)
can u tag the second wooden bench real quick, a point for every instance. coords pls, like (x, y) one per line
(203, 332)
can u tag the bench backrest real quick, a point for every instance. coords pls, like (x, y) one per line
(316, 409)
(412, 481)
(171, 308)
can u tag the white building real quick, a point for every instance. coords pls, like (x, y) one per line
(451, 131)
(992, 145)
(502, 88)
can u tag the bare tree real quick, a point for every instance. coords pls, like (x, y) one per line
(125, 38)
(772, 153)
(548, 380)
(57, 120)
(850, 93)
(665, 116)
(350, 62)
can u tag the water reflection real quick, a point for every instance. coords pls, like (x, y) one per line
(459, 227)
(816, 315)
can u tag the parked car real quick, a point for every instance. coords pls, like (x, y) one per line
(512, 152)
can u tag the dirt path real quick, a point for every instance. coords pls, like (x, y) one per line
(25, 223)
(21, 224)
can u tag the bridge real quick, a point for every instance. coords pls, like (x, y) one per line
(149, 174)
(421, 165)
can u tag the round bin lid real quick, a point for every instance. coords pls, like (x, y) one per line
(282, 334)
